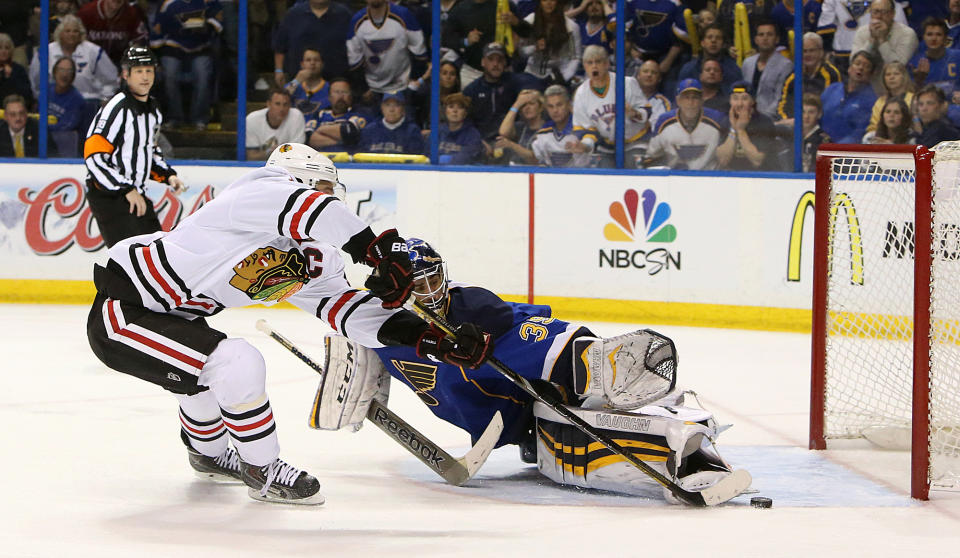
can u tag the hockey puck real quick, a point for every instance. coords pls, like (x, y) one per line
(761, 502)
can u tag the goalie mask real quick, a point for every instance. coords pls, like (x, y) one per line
(308, 167)
(429, 275)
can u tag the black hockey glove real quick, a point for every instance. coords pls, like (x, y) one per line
(392, 277)
(471, 347)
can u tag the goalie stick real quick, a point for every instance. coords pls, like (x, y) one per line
(454, 470)
(729, 487)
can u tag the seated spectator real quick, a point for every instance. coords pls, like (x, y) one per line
(67, 105)
(839, 22)
(895, 124)
(711, 79)
(337, 129)
(594, 107)
(687, 137)
(309, 91)
(319, 24)
(553, 47)
(767, 70)
(516, 134)
(460, 142)
(15, 21)
(418, 93)
(13, 76)
(888, 40)
(114, 25)
(930, 124)
(818, 74)
(556, 144)
(849, 103)
(591, 17)
(269, 127)
(19, 135)
(655, 103)
(494, 93)
(186, 32)
(712, 46)
(380, 43)
(97, 77)
(937, 65)
(58, 9)
(752, 142)
(813, 135)
(896, 84)
(393, 133)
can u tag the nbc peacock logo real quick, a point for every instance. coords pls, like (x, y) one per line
(640, 217)
(654, 228)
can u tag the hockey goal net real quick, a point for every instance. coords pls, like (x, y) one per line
(886, 304)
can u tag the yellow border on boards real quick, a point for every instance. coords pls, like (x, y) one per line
(49, 291)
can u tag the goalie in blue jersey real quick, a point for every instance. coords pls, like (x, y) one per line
(623, 385)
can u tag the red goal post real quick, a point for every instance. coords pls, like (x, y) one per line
(886, 304)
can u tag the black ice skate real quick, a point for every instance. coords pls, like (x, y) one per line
(223, 468)
(279, 482)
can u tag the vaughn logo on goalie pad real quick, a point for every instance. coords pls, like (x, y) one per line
(427, 451)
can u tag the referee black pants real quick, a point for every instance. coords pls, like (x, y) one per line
(112, 212)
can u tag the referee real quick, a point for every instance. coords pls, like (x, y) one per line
(121, 153)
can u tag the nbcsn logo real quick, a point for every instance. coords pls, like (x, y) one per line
(653, 228)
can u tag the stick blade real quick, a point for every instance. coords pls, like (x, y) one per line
(731, 486)
(477, 456)
(263, 326)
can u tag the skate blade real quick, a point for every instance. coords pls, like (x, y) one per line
(314, 500)
(217, 478)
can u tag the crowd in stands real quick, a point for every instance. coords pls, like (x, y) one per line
(524, 82)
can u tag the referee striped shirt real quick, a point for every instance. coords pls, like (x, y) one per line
(121, 150)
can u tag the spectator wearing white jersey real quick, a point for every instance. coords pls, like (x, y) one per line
(97, 77)
(556, 143)
(687, 137)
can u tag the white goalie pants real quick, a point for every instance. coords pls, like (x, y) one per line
(235, 407)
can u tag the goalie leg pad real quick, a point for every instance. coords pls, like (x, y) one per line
(628, 371)
(353, 377)
(681, 447)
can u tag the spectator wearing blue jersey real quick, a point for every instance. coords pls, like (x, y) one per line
(394, 133)
(338, 128)
(930, 123)
(185, 32)
(65, 102)
(656, 28)
(319, 24)
(848, 104)
(308, 90)
(460, 142)
(591, 17)
(953, 23)
(937, 65)
(782, 16)
(712, 46)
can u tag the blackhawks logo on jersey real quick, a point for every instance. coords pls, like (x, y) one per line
(270, 275)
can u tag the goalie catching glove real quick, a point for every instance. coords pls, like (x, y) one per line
(470, 347)
(392, 277)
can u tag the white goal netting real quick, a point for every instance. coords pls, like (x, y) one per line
(870, 291)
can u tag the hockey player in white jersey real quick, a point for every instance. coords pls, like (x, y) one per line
(273, 235)
(595, 107)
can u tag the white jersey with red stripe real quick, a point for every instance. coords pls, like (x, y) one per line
(263, 240)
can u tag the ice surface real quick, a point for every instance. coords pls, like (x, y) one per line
(93, 466)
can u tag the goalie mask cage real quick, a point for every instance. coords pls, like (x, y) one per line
(886, 304)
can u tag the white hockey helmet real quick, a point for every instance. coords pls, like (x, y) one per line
(307, 166)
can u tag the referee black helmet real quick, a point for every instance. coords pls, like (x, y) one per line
(138, 56)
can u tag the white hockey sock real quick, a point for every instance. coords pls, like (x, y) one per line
(202, 424)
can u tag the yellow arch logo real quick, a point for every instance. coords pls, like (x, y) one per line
(843, 202)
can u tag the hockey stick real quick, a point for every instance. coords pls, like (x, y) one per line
(729, 487)
(454, 470)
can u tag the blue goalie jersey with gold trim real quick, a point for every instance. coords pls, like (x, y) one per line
(527, 339)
